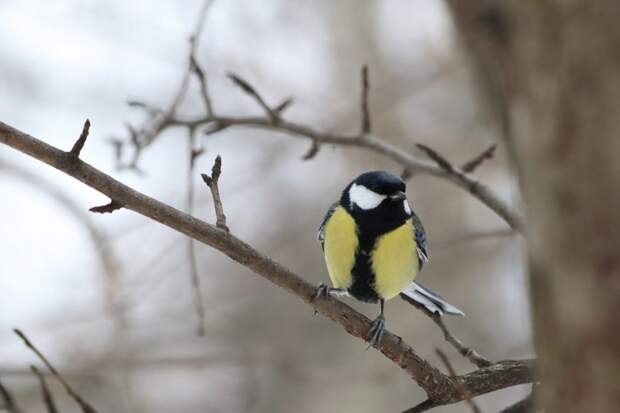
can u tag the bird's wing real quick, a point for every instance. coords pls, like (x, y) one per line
(420, 239)
(321, 234)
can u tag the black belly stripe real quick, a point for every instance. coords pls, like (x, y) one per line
(370, 226)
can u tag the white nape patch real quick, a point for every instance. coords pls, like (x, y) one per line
(407, 207)
(364, 197)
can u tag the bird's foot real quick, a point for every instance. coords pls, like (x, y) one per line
(321, 291)
(376, 332)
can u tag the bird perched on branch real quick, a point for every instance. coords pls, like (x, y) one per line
(375, 245)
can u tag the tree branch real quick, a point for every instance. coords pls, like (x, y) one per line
(48, 400)
(413, 165)
(212, 183)
(365, 130)
(86, 408)
(462, 388)
(8, 401)
(199, 307)
(439, 387)
(470, 354)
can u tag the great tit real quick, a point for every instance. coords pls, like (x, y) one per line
(374, 246)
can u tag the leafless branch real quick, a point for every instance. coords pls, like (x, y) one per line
(107, 208)
(212, 183)
(158, 120)
(191, 252)
(436, 157)
(8, 401)
(314, 149)
(48, 400)
(79, 144)
(472, 355)
(365, 112)
(472, 165)
(251, 91)
(462, 388)
(438, 387)
(202, 78)
(86, 408)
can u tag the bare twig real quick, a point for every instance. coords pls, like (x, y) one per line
(142, 136)
(86, 408)
(48, 400)
(467, 352)
(8, 401)
(314, 149)
(191, 252)
(439, 387)
(462, 388)
(112, 206)
(365, 112)
(436, 157)
(212, 183)
(251, 91)
(472, 165)
(202, 78)
(286, 103)
(79, 144)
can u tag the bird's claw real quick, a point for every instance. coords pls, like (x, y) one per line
(321, 291)
(376, 332)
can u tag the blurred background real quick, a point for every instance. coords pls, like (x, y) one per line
(108, 298)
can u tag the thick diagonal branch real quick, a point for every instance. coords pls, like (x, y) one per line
(439, 387)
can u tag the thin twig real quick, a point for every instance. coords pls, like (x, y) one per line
(314, 149)
(79, 143)
(86, 408)
(202, 78)
(462, 387)
(470, 354)
(48, 400)
(365, 111)
(286, 103)
(8, 400)
(108, 208)
(191, 252)
(436, 157)
(145, 134)
(251, 91)
(439, 387)
(212, 183)
(472, 165)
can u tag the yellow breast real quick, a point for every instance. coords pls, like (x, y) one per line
(340, 246)
(395, 261)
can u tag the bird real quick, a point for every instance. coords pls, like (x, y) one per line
(374, 245)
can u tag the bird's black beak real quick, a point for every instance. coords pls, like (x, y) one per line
(398, 196)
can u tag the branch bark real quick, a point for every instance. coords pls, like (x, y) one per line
(439, 387)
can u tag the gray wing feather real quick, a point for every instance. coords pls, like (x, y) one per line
(321, 234)
(420, 239)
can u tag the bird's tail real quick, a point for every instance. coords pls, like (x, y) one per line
(420, 296)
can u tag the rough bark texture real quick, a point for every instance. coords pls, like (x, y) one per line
(561, 65)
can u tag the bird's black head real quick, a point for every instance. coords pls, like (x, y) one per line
(377, 199)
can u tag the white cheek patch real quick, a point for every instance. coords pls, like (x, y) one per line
(364, 197)
(406, 207)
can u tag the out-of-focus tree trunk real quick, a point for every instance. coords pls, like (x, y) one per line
(559, 71)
